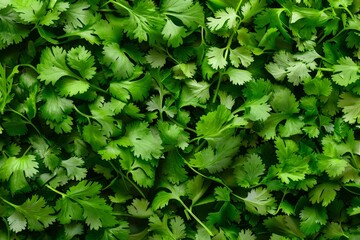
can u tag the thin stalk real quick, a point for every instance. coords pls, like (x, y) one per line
(88, 117)
(56, 191)
(128, 179)
(26, 120)
(195, 217)
(8, 203)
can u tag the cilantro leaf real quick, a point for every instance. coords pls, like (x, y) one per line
(11, 28)
(260, 201)
(34, 213)
(139, 208)
(144, 142)
(249, 170)
(346, 71)
(173, 33)
(324, 193)
(156, 58)
(223, 18)
(189, 13)
(240, 55)
(53, 65)
(87, 204)
(312, 219)
(74, 169)
(217, 124)
(55, 108)
(138, 89)
(246, 235)
(118, 61)
(215, 160)
(350, 106)
(81, 60)
(238, 76)
(143, 22)
(216, 57)
(71, 87)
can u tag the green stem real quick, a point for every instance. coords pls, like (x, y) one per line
(29, 66)
(88, 117)
(128, 179)
(56, 191)
(7, 228)
(195, 217)
(98, 88)
(26, 120)
(8, 203)
(218, 86)
(27, 150)
(325, 69)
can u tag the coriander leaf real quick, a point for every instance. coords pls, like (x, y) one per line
(184, 70)
(173, 34)
(74, 169)
(223, 18)
(139, 208)
(144, 21)
(246, 234)
(78, 15)
(260, 201)
(143, 172)
(162, 197)
(283, 100)
(191, 15)
(92, 208)
(11, 28)
(318, 87)
(34, 212)
(248, 171)
(222, 194)
(94, 135)
(55, 107)
(176, 230)
(138, 89)
(173, 135)
(29, 11)
(144, 142)
(217, 124)
(238, 76)
(26, 164)
(292, 166)
(173, 167)
(81, 60)
(194, 93)
(350, 106)
(312, 219)
(346, 71)
(71, 87)
(216, 57)
(285, 226)
(334, 230)
(240, 55)
(251, 8)
(52, 65)
(115, 58)
(218, 158)
(156, 58)
(324, 193)
(227, 213)
(110, 151)
(332, 166)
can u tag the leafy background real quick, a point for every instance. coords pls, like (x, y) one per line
(179, 119)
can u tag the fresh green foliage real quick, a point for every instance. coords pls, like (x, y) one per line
(179, 119)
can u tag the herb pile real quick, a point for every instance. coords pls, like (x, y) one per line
(179, 119)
